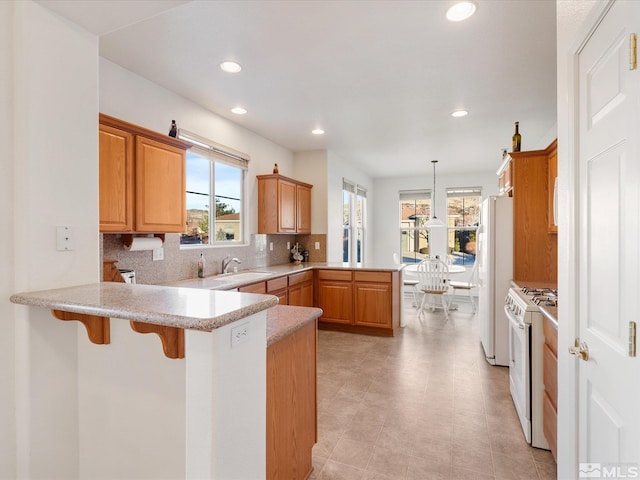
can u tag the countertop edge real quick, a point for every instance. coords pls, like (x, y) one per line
(550, 315)
(283, 320)
(40, 299)
(280, 270)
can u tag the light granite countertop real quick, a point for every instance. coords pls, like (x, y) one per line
(197, 309)
(239, 279)
(283, 320)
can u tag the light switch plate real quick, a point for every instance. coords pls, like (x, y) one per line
(317, 245)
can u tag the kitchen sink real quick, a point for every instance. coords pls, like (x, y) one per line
(242, 276)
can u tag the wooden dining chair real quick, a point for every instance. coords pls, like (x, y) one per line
(433, 278)
(467, 286)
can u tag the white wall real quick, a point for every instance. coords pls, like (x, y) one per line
(311, 167)
(337, 169)
(134, 99)
(571, 15)
(387, 228)
(7, 331)
(55, 174)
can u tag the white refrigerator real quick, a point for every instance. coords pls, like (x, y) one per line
(495, 271)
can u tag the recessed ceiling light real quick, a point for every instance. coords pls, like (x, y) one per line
(459, 113)
(239, 110)
(317, 131)
(230, 66)
(461, 10)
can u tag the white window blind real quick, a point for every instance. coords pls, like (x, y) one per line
(214, 151)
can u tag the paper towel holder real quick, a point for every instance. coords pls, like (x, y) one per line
(127, 238)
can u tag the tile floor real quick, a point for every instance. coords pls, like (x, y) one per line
(422, 405)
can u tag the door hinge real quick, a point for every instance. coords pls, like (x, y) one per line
(632, 339)
(633, 50)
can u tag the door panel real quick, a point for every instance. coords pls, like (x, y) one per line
(609, 181)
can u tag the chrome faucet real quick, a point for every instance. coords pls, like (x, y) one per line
(226, 261)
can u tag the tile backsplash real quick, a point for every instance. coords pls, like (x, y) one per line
(180, 264)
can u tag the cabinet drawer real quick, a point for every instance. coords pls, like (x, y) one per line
(259, 287)
(380, 277)
(550, 424)
(300, 278)
(344, 275)
(276, 284)
(550, 336)
(550, 374)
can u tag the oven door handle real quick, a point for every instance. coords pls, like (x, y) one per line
(513, 320)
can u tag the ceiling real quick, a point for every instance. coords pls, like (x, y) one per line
(380, 77)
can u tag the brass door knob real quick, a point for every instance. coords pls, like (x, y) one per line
(580, 349)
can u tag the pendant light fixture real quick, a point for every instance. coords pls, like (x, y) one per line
(434, 221)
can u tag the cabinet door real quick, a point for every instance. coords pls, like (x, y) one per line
(286, 206)
(160, 187)
(552, 176)
(373, 304)
(301, 295)
(291, 405)
(303, 209)
(116, 180)
(335, 299)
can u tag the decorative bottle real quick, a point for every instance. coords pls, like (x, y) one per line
(174, 129)
(515, 140)
(275, 168)
(201, 264)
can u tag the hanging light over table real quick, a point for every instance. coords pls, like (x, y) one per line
(434, 221)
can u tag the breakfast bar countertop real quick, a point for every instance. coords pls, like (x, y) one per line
(197, 309)
(283, 320)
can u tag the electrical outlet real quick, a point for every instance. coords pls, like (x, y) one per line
(64, 238)
(158, 254)
(271, 246)
(288, 245)
(317, 245)
(239, 334)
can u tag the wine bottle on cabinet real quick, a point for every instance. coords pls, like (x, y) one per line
(515, 140)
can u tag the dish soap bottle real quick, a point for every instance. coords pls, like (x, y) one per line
(201, 263)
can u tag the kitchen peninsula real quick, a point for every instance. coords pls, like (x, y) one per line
(143, 414)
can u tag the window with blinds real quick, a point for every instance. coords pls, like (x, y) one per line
(216, 178)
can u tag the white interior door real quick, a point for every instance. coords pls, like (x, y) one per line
(609, 180)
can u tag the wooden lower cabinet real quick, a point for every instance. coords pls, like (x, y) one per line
(359, 301)
(278, 287)
(550, 380)
(291, 405)
(334, 294)
(301, 289)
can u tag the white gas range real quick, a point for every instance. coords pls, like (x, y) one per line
(526, 342)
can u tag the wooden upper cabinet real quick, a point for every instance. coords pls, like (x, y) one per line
(552, 179)
(284, 205)
(116, 179)
(303, 206)
(160, 187)
(142, 179)
(535, 250)
(504, 177)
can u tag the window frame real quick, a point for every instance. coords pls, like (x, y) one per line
(357, 195)
(426, 194)
(218, 154)
(461, 192)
